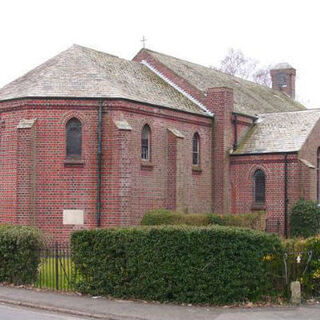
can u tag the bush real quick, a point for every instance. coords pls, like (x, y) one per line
(255, 220)
(307, 271)
(181, 264)
(19, 254)
(166, 217)
(304, 219)
(311, 279)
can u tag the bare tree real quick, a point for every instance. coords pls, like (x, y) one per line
(237, 64)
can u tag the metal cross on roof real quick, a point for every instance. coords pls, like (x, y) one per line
(143, 40)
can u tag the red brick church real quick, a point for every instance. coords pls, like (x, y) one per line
(91, 140)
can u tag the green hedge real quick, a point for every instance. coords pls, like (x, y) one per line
(19, 254)
(253, 220)
(304, 219)
(182, 264)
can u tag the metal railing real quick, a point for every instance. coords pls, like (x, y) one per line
(56, 270)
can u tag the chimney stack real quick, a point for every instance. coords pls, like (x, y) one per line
(283, 77)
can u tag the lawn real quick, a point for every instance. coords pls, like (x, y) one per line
(56, 273)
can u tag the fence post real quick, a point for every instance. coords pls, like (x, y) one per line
(57, 265)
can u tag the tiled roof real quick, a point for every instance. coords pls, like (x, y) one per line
(279, 132)
(82, 72)
(249, 98)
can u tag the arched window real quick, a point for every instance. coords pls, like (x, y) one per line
(259, 186)
(73, 138)
(145, 143)
(318, 175)
(196, 149)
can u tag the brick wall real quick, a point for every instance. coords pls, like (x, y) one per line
(168, 179)
(241, 126)
(273, 165)
(290, 76)
(309, 174)
(129, 188)
(220, 101)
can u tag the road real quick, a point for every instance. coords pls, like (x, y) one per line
(18, 313)
(12, 312)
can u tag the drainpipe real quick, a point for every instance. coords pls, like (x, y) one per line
(99, 156)
(286, 200)
(235, 121)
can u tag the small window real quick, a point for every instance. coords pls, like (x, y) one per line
(281, 80)
(145, 143)
(259, 186)
(73, 138)
(196, 149)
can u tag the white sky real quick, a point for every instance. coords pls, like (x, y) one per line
(270, 31)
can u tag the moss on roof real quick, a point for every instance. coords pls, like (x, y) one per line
(279, 132)
(81, 72)
(249, 97)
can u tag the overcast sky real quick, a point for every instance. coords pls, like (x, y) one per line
(200, 31)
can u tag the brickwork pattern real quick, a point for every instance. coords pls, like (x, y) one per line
(129, 187)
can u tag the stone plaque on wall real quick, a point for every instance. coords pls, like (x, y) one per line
(73, 216)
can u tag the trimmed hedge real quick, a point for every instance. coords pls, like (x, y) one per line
(304, 219)
(253, 220)
(19, 254)
(167, 217)
(215, 265)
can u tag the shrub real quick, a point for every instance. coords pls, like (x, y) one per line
(304, 219)
(19, 254)
(166, 217)
(307, 270)
(311, 279)
(213, 265)
(255, 220)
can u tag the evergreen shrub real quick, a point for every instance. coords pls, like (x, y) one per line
(19, 254)
(183, 264)
(304, 219)
(254, 220)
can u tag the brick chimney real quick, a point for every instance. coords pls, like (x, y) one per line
(220, 101)
(283, 77)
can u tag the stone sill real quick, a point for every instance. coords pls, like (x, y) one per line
(146, 165)
(196, 170)
(258, 206)
(74, 162)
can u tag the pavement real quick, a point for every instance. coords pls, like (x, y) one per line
(10, 312)
(103, 308)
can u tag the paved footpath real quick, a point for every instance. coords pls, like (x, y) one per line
(101, 308)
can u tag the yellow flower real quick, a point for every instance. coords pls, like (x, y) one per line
(268, 257)
(316, 274)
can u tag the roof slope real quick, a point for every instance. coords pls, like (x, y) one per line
(279, 132)
(250, 98)
(83, 72)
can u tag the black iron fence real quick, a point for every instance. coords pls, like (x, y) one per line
(56, 270)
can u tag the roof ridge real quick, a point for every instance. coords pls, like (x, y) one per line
(233, 77)
(209, 68)
(293, 111)
(94, 63)
(177, 87)
(95, 50)
(38, 67)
